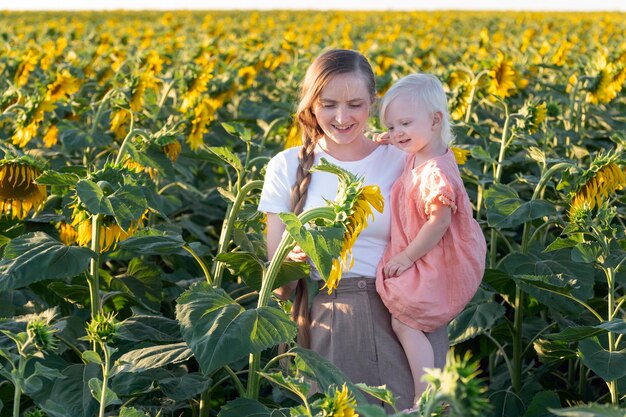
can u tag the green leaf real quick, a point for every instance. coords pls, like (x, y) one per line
(110, 398)
(474, 320)
(239, 130)
(45, 372)
(143, 281)
(142, 328)
(553, 352)
(91, 356)
(506, 210)
(507, 404)
(541, 403)
(226, 155)
(185, 387)
(139, 360)
(370, 410)
(481, 154)
(58, 178)
(615, 326)
(249, 408)
(591, 410)
(575, 333)
(587, 253)
(93, 198)
(219, 331)
(153, 242)
(250, 268)
(131, 412)
(296, 385)
(322, 246)
(71, 396)
(128, 204)
(36, 256)
(560, 243)
(382, 393)
(607, 365)
(317, 368)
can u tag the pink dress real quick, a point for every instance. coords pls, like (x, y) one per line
(441, 283)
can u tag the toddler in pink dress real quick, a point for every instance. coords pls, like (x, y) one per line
(435, 259)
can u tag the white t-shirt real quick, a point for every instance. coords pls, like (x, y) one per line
(381, 167)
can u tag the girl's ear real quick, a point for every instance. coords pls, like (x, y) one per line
(437, 120)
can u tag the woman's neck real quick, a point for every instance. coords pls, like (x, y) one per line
(353, 151)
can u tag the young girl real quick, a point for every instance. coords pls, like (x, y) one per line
(435, 259)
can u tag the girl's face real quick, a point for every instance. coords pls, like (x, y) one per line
(342, 110)
(412, 127)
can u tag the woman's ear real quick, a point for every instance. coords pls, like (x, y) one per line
(437, 120)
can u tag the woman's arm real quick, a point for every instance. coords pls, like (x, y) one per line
(427, 238)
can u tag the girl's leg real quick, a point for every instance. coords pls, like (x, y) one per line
(419, 353)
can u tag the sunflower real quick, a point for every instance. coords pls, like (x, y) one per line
(459, 102)
(294, 136)
(341, 403)
(353, 206)
(204, 114)
(603, 178)
(120, 122)
(172, 150)
(460, 155)
(197, 86)
(503, 77)
(18, 190)
(110, 232)
(534, 114)
(52, 137)
(67, 233)
(607, 80)
(64, 85)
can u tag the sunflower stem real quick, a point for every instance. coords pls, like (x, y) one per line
(228, 225)
(94, 266)
(284, 247)
(96, 119)
(105, 378)
(17, 394)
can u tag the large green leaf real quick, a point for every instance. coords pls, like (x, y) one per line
(128, 204)
(474, 320)
(93, 198)
(249, 267)
(553, 352)
(185, 387)
(296, 385)
(506, 210)
(317, 368)
(70, 396)
(321, 246)
(540, 404)
(142, 328)
(142, 280)
(220, 331)
(58, 178)
(607, 365)
(36, 256)
(153, 242)
(575, 333)
(591, 410)
(139, 360)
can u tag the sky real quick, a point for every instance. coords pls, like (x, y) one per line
(552, 5)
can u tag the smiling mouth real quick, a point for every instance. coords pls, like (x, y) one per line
(342, 128)
(404, 140)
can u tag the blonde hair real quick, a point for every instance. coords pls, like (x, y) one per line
(321, 71)
(427, 90)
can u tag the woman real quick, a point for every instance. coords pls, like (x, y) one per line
(350, 327)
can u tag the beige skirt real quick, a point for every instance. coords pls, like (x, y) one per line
(352, 329)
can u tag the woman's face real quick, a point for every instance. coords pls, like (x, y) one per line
(342, 110)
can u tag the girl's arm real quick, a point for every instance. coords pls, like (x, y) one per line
(427, 238)
(275, 229)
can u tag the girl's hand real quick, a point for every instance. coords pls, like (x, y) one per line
(297, 255)
(382, 138)
(397, 265)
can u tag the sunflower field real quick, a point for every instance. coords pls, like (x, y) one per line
(133, 274)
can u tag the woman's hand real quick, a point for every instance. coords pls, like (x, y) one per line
(397, 265)
(297, 255)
